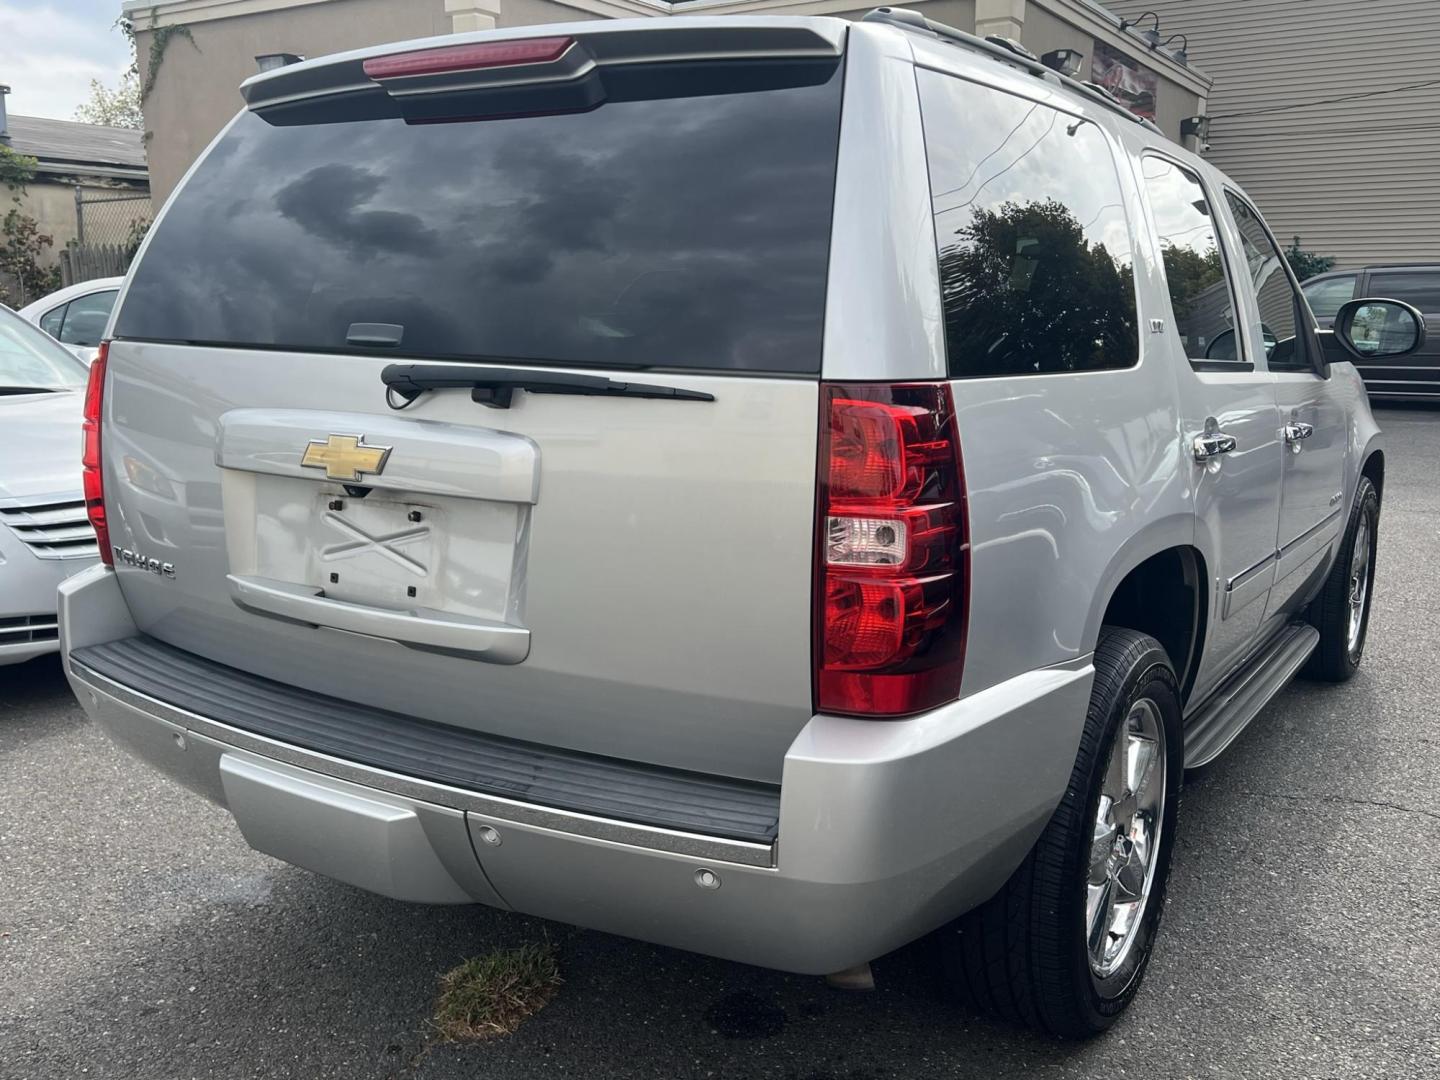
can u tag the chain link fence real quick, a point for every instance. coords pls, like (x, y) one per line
(109, 226)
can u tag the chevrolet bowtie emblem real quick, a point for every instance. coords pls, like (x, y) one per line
(345, 457)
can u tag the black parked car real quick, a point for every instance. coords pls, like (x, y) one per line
(1414, 377)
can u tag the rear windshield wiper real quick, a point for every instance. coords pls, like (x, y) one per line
(30, 389)
(496, 386)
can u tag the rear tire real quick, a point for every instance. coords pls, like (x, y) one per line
(1053, 949)
(1342, 625)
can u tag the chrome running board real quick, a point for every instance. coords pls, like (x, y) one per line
(1231, 708)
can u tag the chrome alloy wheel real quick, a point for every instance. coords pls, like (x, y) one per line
(1359, 584)
(1123, 853)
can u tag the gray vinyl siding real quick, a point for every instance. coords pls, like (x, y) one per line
(1359, 180)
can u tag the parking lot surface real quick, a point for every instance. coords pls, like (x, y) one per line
(141, 937)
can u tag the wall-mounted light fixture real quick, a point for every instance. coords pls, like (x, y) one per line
(1180, 55)
(1197, 128)
(1065, 61)
(1151, 37)
(271, 60)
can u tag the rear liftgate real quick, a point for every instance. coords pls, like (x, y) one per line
(422, 527)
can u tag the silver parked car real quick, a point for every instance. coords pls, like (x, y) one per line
(44, 532)
(776, 487)
(76, 315)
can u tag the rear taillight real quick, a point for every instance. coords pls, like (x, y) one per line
(486, 54)
(892, 583)
(92, 478)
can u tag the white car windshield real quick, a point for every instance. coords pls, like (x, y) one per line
(31, 362)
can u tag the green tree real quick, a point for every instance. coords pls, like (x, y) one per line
(119, 107)
(22, 278)
(1306, 264)
(16, 170)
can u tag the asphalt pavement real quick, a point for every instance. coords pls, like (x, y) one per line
(140, 936)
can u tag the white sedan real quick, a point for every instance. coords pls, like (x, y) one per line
(76, 315)
(45, 533)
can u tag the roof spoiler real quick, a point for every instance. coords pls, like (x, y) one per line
(432, 78)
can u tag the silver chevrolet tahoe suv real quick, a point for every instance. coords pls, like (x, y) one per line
(776, 487)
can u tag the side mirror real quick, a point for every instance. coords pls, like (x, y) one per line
(1374, 329)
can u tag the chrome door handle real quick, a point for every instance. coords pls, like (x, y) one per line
(1212, 444)
(1295, 431)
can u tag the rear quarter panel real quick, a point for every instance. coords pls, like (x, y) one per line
(1072, 479)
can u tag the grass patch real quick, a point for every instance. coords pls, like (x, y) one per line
(494, 994)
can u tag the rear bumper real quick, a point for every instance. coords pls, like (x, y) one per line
(886, 829)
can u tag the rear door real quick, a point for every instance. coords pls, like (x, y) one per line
(1416, 375)
(624, 575)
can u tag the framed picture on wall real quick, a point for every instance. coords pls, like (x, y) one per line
(1135, 86)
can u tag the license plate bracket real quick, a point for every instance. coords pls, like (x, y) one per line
(394, 550)
(384, 552)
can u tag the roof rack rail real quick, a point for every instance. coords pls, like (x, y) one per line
(1105, 97)
(907, 19)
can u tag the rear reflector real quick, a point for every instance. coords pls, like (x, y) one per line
(488, 54)
(892, 585)
(92, 479)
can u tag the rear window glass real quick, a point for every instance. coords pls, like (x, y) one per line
(50, 322)
(1034, 245)
(85, 318)
(681, 232)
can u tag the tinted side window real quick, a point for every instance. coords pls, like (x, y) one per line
(1200, 297)
(1035, 250)
(1281, 311)
(1418, 287)
(86, 317)
(50, 322)
(1325, 297)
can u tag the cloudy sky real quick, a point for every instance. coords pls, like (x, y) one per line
(51, 49)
